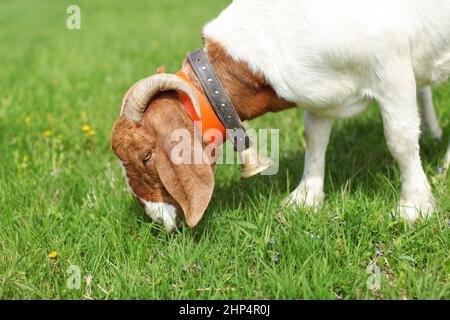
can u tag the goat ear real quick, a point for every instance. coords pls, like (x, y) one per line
(191, 185)
(161, 69)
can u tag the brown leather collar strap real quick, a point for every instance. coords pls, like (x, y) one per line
(219, 100)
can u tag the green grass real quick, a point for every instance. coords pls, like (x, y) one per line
(65, 193)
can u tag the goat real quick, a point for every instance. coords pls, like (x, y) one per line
(330, 58)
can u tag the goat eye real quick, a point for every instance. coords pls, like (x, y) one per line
(147, 158)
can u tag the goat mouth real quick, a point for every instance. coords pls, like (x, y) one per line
(162, 213)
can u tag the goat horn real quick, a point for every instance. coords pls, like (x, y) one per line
(139, 96)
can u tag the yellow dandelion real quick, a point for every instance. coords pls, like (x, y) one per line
(86, 128)
(91, 133)
(24, 163)
(53, 255)
(27, 120)
(47, 133)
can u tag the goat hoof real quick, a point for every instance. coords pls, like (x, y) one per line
(302, 199)
(436, 133)
(413, 212)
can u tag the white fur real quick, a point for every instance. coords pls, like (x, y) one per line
(310, 191)
(428, 113)
(161, 213)
(334, 57)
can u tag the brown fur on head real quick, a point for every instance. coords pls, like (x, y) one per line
(144, 148)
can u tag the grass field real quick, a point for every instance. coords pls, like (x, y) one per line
(61, 188)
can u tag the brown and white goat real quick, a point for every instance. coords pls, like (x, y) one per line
(325, 56)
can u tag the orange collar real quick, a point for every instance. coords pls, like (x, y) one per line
(208, 118)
